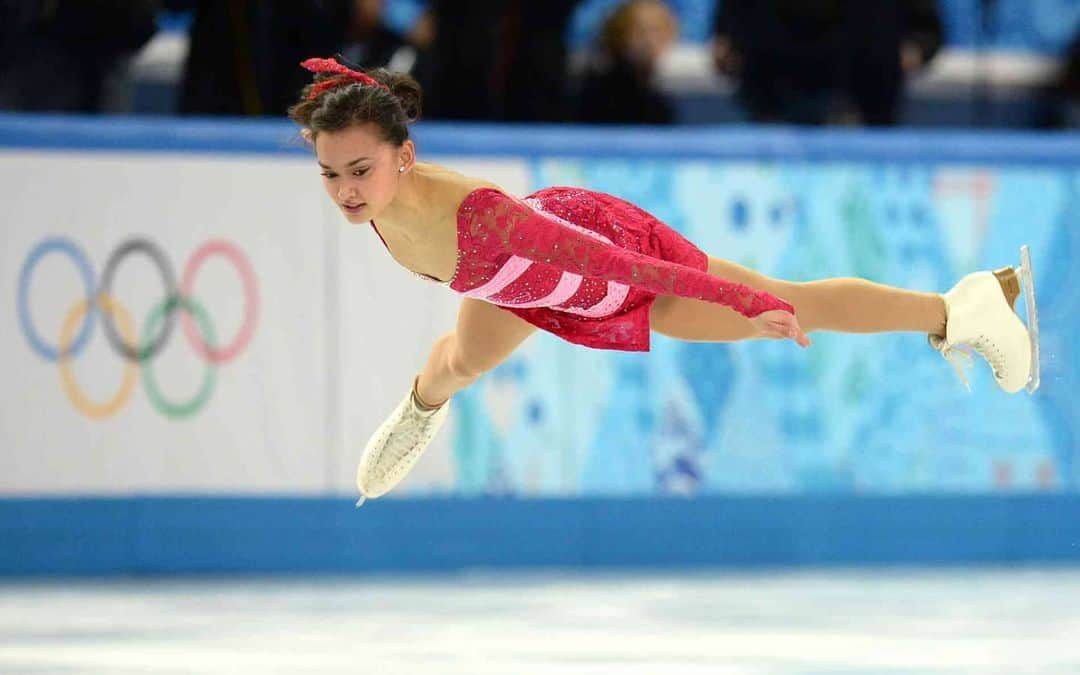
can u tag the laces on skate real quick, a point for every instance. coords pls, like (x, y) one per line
(961, 361)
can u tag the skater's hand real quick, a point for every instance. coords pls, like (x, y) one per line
(780, 325)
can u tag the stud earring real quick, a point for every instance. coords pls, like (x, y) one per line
(401, 169)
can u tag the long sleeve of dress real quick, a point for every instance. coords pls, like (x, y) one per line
(507, 224)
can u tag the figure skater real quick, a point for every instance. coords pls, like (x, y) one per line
(588, 267)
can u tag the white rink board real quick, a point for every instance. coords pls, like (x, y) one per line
(328, 338)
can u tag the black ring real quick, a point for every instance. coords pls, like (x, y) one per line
(151, 249)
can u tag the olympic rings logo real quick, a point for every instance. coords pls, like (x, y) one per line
(157, 328)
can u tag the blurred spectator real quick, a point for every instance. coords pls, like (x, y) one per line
(824, 61)
(619, 88)
(245, 55)
(69, 55)
(499, 60)
(371, 43)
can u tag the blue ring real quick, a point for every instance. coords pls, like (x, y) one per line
(43, 248)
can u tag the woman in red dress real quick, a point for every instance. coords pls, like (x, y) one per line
(588, 267)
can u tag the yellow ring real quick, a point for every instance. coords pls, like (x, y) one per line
(67, 378)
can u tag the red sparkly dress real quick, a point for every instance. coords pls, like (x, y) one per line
(584, 265)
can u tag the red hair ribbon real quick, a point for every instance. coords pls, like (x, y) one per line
(346, 75)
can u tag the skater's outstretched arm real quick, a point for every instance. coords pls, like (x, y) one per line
(525, 232)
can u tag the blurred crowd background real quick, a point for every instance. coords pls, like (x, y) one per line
(1001, 63)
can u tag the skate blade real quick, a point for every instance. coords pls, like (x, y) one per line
(1027, 282)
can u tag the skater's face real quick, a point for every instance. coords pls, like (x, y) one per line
(361, 171)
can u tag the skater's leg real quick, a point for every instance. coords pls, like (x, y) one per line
(844, 304)
(484, 337)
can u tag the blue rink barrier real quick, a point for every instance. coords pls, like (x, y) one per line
(207, 135)
(212, 535)
(887, 462)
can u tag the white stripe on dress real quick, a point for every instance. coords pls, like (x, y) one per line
(566, 288)
(616, 294)
(507, 274)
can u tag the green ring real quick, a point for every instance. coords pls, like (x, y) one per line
(166, 407)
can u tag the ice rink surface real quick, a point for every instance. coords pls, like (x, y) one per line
(827, 622)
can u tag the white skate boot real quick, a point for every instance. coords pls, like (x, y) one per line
(397, 445)
(981, 318)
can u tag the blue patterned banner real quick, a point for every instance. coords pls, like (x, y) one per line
(881, 414)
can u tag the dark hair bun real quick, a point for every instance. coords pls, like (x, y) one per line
(404, 88)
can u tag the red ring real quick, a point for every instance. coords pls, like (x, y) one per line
(251, 300)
